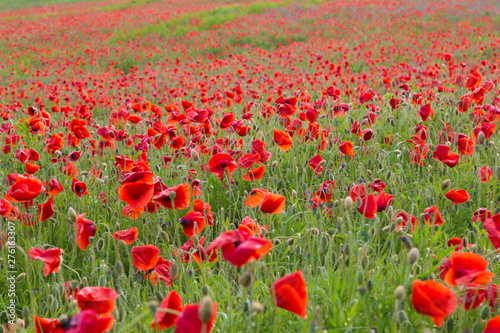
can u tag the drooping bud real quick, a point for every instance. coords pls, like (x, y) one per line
(245, 280)
(413, 256)
(72, 214)
(206, 309)
(445, 184)
(348, 203)
(399, 293)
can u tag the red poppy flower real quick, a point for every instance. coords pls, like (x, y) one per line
(101, 300)
(47, 325)
(457, 197)
(79, 188)
(54, 187)
(432, 216)
(246, 161)
(493, 325)
(325, 191)
(90, 321)
(51, 258)
(426, 111)
(177, 197)
(314, 163)
(466, 145)
(259, 147)
(433, 299)
(240, 247)
(74, 156)
(270, 203)
(46, 210)
(164, 320)
(220, 163)
(255, 197)
(161, 271)
(474, 79)
(492, 226)
(255, 174)
(205, 209)
(145, 257)
(31, 168)
(482, 214)
(473, 297)
(365, 97)
(466, 267)
(77, 126)
(346, 148)
(377, 185)
(25, 188)
(485, 174)
(25, 155)
(189, 320)
(127, 236)
(188, 223)
(196, 188)
(368, 206)
(137, 190)
(443, 154)
(383, 201)
(290, 293)
(84, 230)
(283, 140)
(406, 218)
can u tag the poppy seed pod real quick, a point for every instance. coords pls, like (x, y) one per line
(413, 256)
(206, 309)
(399, 293)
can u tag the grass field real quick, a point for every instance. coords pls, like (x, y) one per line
(249, 166)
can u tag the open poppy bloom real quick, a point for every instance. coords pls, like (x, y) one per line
(434, 300)
(492, 226)
(54, 187)
(240, 247)
(164, 320)
(383, 201)
(255, 174)
(432, 216)
(283, 140)
(89, 321)
(290, 293)
(246, 161)
(485, 174)
(84, 230)
(493, 325)
(426, 111)
(51, 258)
(188, 222)
(443, 154)
(47, 325)
(465, 267)
(145, 257)
(457, 197)
(347, 148)
(127, 236)
(24, 188)
(219, 163)
(79, 188)
(481, 214)
(46, 210)
(100, 299)
(466, 145)
(270, 203)
(137, 190)
(473, 297)
(369, 206)
(177, 197)
(189, 320)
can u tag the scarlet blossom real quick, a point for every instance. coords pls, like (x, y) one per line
(466, 145)
(196, 188)
(493, 325)
(443, 154)
(100, 299)
(47, 325)
(377, 185)
(77, 126)
(270, 203)
(473, 297)
(51, 258)
(79, 188)
(434, 300)
(290, 293)
(474, 80)
(365, 97)
(219, 163)
(314, 164)
(426, 111)
(368, 206)
(26, 155)
(283, 140)
(246, 161)
(189, 320)
(255, 174)
(481, 214)
(163, 320)
(137, 191)
(383, 201)
(192, 223)
(406, 217)
(240, 247)
(259, 147)
(485, 174)
(161, 271)
(31, 168)
(127, 236)
(347, 148)
(457, 197)
(325, 191)
(145, 257)
(177, 197)
(46, 210)
(465, 267)
(492, 226)
(89, 321)
(74, 156)
(432, 216)
(25, 188)
(84, 230)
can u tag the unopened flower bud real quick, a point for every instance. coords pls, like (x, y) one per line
(348, 203)
(445, 184)
(245, 280)
(206, 309)
(399, 293)
(413, 256)
(72, 214)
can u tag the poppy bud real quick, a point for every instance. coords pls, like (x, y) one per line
(152, 306)
(399, 293)
(369, 285)
(485, 312)
(72, 214)
(348, 203)
(25, 313)
(334, 258)
(369, 173)
(315, 232)
(172, 195)
(359, 202)
(360, 277)
(20, 277)
(245, 280)
(256, 308)
(276, 241)
(194, 155)
(413, 256)
(364, 262)
(275, 164)
(445, 184)
(174, 270)
(105, 179)
(429, 168)
(206, 309)
(388, 175)
(402, 317)
(204, 290)
(102, 281)
(100, 244)
(408, 244)
(294, 194)
(481, 138)
(118, 268)
(362, 291)
(117, 225)
(478, 326)
(346, 250)
(450, 324)
(290, 241)
(399, 220)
